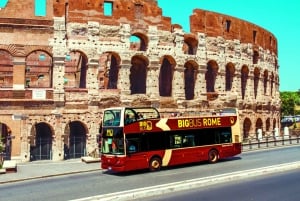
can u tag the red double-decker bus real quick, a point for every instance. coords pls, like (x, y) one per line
(138, 138)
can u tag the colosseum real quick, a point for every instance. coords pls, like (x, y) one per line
(63, 61)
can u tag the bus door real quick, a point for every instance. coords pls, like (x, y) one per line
(135, 151)
(225, 140)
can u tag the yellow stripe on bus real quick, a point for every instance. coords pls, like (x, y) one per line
(167, 157)
(162, 124)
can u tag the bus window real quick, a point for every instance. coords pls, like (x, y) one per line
(207, 137)
(111, 118)
(130, 116)
(156, 141)
(133, 144)
(112, 146)
(225, 137)
(188, 141)
(175, 141)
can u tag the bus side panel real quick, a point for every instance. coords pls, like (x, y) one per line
(197, 154)
(140, 160)
(133, 161)
(229, 150)
(136, 161)
(185, 155)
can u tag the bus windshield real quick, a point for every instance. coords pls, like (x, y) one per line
(112, 145)
(112, 117)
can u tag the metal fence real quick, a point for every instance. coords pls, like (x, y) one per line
(269, 142)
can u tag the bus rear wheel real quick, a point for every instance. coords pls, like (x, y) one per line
(155, 164)
(213, 156)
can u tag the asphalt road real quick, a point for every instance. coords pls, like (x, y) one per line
(103, 182)
(275, 187)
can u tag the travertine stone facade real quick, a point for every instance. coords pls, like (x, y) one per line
(58, 71)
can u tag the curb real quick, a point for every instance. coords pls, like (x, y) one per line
(190, 184)
(47, 176)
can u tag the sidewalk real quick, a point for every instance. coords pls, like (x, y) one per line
(46, 168)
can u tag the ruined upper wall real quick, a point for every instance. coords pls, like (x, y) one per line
(20, 25)
(134, 12)
(216, 24)
(16, 9)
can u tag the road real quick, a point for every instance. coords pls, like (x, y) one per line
(103, 182)
(274, 187)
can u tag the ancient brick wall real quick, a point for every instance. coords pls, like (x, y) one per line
(133, 57)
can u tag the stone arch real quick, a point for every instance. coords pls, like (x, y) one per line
(268, 125)
(276, 66)
(272, 83)
(190, 75)
(75, 140)
(190, 44)
(75, 70)
(138, 42)
(6, 69)
(138, 74)
(246, 128)
(230, 70)
(211, 75)
(108, 74)
(259, 126)
(41, 141)
(166, 75)
(266, 79)
(256, 80)
(5, 141)
(274, 124)
(244, 78)
(255, 57)
(38, 70)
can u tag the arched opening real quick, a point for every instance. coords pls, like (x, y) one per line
(190, 75)
(76, 145)
(244, 78)
(266, 76)
(5, 141)
(38, 70)
(275, 128)
(166, 76)
(268, 125)
(6, 69)
(190, 45)
(255, 57)
(41, 142)
(138, 42)
(211, 75)
(108, 74)
(246, 128)
(138, 75)
(259, 128)
(230, 69)
(272, 83)
(256, 81)
(75, 70)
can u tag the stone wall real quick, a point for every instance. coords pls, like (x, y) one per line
(223, 62)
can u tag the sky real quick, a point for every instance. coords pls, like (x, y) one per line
(280, 17)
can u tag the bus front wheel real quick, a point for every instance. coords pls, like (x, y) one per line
(155, 164)
(213, 156)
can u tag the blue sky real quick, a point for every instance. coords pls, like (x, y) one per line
(280, 17)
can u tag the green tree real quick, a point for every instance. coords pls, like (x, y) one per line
(289, 101)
